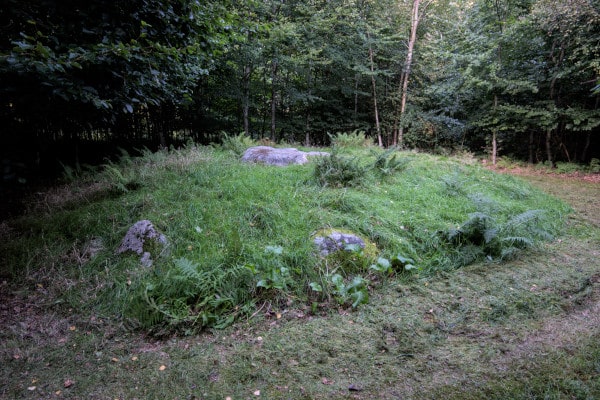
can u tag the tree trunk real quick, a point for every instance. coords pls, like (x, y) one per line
(246, 99)
(308, 105)
(356, 99)
(407, 66)
(273, 98)
(531, 146)
(374, 83)
(549, 145)
(495, 136)
(494, 148)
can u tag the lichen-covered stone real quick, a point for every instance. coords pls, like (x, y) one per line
(336, 241)
(278, 157)
(141, 234)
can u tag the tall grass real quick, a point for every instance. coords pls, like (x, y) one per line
(220, 215)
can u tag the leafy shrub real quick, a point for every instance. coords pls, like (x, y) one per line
(354, 139)
(188, 296)
(339, 171)
(237, 144)
(272, 273)
(354, 291)
(481, 235)
(388, 162)
(594, 166)
(567, 168)
(398, 263)
(121, 179)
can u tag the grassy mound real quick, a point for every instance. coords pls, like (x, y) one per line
(240, 234)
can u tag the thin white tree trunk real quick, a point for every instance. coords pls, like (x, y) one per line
(373, 82)
(407, 66)
(495, 136)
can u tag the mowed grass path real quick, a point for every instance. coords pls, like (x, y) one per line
(522, 329)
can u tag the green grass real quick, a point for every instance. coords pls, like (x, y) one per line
(221, 215)
(462, 325)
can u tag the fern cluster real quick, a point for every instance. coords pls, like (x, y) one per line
(483, 236)
(188, 296)
(339, 171)
(356, 138)
(237, 144)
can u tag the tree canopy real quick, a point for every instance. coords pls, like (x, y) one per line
(507, 77)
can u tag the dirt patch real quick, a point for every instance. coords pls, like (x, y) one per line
(523, 171)
(27, 318)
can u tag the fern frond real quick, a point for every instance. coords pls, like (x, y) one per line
(187, 268)
(490, 234)
(518, 241)
(522, 219)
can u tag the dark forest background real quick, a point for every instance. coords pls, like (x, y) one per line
(498, 77)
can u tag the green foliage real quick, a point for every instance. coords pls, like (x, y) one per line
(222, 256)
(188, 296)
(121, 180)
(354, 292)
(100, 72)
(354, 139)
(398, 263)
(339, 171)
(237, 144)
(481, 235)
(272, 273)
(594, 166)
(388, 162)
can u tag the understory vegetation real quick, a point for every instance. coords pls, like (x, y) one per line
(240, 236)
(403, 317)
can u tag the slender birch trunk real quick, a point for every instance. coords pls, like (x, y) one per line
(273, 100)
(374, 83)
(407, 66)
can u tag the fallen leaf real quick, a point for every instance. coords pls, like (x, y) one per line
(228, 398)
(326, 381)
(257, 392)
(58, 392)
(72, 328)
(162, 368)
(114, 359)
(31, 388)
(134, 358)
(69, 383)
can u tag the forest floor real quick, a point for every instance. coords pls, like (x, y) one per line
(529, 328)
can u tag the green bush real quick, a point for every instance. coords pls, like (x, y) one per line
(190, 296)
(237, 144)
(339, 171)
(354, 139)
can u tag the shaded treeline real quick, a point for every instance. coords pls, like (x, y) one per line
(504, 77)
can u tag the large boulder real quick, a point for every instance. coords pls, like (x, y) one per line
(279, 157)
(141, 239)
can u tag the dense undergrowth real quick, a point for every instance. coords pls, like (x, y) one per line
(240, 235)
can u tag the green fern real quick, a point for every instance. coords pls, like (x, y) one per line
(481, 235)
(387, 162)
(192, 298)
(339, 171)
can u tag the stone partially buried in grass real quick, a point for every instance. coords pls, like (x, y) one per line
(329, 241)
(141, 239)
